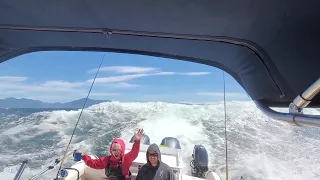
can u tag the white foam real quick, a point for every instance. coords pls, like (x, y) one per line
(259, 148)
(172, 125)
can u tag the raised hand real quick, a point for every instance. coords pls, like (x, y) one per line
(138, 134)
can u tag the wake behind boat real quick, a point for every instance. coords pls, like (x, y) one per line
(171, 154)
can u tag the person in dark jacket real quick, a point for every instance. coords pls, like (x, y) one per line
(155, 169)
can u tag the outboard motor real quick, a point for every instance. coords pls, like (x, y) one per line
(170, 142)
(199, 164)
(144, 140)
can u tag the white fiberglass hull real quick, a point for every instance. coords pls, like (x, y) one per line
(87, 173)
(170, 156)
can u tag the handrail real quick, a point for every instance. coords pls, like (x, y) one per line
(295, 114)
(21, 169)
(300, 119)
(45, 170)
(305, 98)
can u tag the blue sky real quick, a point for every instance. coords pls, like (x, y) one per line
(61, 76)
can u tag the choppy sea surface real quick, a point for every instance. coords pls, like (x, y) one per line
(259, 148)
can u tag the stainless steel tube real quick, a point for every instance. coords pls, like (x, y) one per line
(301, 119)
(305, 98)
(21, 169)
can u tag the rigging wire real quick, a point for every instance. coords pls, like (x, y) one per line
(225, 124)
(75, 127)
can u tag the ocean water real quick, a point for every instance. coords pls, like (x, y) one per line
(259, 148)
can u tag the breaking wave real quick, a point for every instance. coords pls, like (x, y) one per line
(258, 147)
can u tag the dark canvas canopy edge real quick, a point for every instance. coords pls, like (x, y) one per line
(286, 33)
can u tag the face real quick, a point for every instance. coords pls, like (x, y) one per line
(116, 150)
(153, 157)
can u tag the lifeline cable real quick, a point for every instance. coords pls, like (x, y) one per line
(68, 146)
(225, 123)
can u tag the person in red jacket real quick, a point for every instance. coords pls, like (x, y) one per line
(117, 164)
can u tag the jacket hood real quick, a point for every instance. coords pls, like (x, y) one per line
(155, 148)
(122, 144)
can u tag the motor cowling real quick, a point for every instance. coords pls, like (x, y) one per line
(170, 142)
(199, 163)
(144, 140)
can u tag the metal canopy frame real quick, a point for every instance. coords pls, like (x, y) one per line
(295, 114)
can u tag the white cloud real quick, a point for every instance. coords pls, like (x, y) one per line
(62, 98)
(62, 84)
(6, 92)
(123, 78)
(163, 73)
(117, 85)
(195, 73)
(51, 86)
(13, 78)
(17, 87)
(102, 94)
(114, 79)
(122, 85)
(57, 90)
(17, 84)
(66, 97)
(49, 91)
(124, 69)
(137, 72)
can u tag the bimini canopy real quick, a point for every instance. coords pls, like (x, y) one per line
(271, 47)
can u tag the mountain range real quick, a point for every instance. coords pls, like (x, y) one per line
(30, 103)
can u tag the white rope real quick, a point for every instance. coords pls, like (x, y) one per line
(75, 127)
(225, 124)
